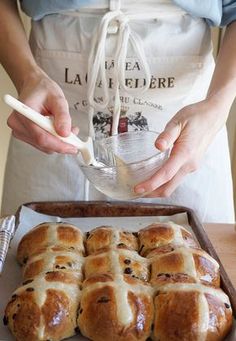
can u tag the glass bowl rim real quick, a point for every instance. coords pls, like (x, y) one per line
(167, 152)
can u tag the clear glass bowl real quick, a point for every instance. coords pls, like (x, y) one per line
(126, 160)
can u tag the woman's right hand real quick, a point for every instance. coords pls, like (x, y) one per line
(45, 96)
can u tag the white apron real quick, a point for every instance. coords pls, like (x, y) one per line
(145, 61)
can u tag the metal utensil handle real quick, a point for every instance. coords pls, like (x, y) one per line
(7, 230)
(5, 238)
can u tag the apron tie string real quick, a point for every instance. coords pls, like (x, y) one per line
(97, 57)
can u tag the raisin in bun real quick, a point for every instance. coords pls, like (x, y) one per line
(191, 312)
(116, 302)
(184, 265)
(114, 285)
(44, 235)
(54, 258)
(44, 308)
(128, 262)
(164, 236)
(115, 307)
(107, 237)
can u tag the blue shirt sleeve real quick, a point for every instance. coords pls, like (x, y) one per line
(228, 12)
(215, 12)
(37, 9)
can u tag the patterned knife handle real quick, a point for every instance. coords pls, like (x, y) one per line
(7, 229)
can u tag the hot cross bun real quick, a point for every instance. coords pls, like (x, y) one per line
(164, 237)
(115, 307)
(108, 237)
(44, 308)
(186, 311)
(44, 235)
(185, 265)
(114, 285)
(54, 258)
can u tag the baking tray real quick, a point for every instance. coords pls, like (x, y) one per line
(73, 209)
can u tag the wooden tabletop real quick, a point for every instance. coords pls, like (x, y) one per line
(223, 238)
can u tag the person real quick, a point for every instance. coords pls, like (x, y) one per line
(99, 56)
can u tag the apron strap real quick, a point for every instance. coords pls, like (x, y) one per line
(116, 22)
(115, 5)
(97, 57)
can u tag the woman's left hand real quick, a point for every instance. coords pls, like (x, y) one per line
(190, 132)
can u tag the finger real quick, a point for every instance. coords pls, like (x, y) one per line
(16, 122)
(29, 132)
(36, 105)
(176, 160)
(167, 138)
(47, 143)
(22, 125)
(169, 187)
(23, 138)
(75, 130)
(59, 108)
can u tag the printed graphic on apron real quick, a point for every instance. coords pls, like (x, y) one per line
(177, 50)
(137, 121)
(133, 81)
(128, 121)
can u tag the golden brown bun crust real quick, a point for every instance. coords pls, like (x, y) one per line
(178, 316)
(220, 318)
(127, 286)
(22, 315)
(130, 263)
(208, 273)
(31, 242)
(163, 234)
(55, 311)
(175, 267)
(50, 260)
(98, 316)
(105, 237)
(48, 234)
(48, 304)
(62, 277)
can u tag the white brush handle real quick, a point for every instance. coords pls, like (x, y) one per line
(46, 124)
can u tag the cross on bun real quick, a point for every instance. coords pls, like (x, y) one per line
(44, 235)
(184, 265)
(108, 237)
(54, 259)
(127, 261)
(116, 301)
(191, 312)
(164, 237)
(44, 308)
(112, 284)
(115, 307)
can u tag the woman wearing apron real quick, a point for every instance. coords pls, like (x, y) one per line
(122, 66)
